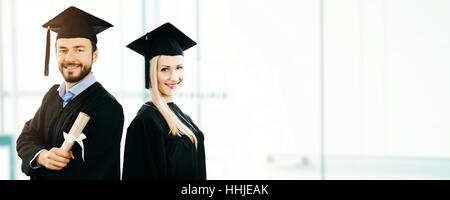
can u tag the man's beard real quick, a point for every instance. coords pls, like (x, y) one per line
(70, 78)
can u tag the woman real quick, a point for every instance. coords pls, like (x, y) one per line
(162, 142)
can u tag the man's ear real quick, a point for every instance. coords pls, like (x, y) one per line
(94, 56)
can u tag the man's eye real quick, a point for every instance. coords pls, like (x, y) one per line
(62, 51)
(80, 50)
(179, 67)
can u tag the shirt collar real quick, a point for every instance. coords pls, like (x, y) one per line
(78, 88)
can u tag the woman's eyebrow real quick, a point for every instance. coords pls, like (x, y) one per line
(171, 65)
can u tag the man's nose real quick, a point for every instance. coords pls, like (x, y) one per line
(70, 56)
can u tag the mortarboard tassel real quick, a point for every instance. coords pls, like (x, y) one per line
(47, 52)
(147, 67)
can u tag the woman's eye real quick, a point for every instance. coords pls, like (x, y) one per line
(80, 50)
(164, 69)
(179, 67)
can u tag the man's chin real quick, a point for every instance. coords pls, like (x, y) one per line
(73, 79)
(75, 76)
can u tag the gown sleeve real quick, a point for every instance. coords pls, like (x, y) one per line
(31, 140)
(202, 159)
(144, 155)
(102, 152)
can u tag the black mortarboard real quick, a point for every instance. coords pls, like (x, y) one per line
(73, 23)
(164, 40)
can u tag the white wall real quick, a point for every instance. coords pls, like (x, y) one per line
(386, 85)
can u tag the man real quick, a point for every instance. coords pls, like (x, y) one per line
(98, 155)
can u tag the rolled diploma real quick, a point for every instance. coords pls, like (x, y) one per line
(77, 128)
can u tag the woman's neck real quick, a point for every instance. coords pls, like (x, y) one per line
(168, 99)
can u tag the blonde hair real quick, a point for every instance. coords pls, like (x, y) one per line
(177, 128)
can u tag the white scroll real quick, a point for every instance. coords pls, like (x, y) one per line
(75, 134)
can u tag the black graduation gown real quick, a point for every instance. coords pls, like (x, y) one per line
(151, 152)
(103, 134)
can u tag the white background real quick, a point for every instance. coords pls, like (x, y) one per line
(333, 89)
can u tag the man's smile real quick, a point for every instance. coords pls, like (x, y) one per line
(71, 67)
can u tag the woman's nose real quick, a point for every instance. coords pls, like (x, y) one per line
(174, 76)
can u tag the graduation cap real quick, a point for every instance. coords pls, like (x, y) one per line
(73, 23)
(164, 40)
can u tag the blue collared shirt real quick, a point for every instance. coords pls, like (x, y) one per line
(75, 90)
(67, 97)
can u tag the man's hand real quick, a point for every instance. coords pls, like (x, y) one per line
(55, 159)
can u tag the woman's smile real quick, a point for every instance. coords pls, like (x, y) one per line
(172, 85)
